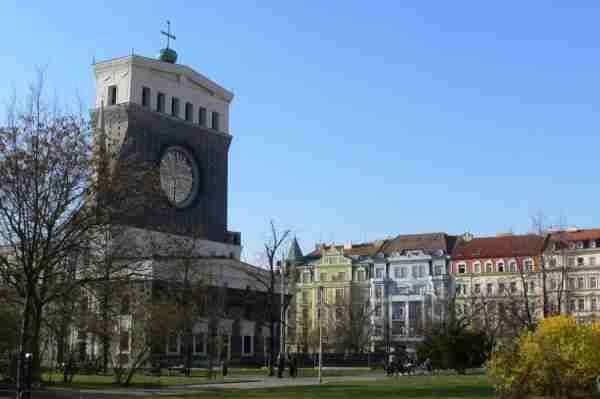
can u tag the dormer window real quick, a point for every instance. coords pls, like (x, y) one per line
(215, 121)
(477, 267)
(146, 97)
(488, 267)
(112, 95)
(202, 116)
(160, 102)
(462, 268)
(579, 244)
(189, 112)
(175, 107)
(500, 266)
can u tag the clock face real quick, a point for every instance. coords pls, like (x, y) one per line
(179, 176)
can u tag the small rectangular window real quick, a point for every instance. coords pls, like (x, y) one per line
(247, 345)
(580, 261)
(146, 97)
(215, 121)
(189, 112)
(112, 95)
(202, 116)
(124, 341)
(160, 102)
(175, 107)
(581, 304)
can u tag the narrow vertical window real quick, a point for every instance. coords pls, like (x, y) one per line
(160, 102)
(202, 116)
(175, 107)
(112, 95)
(146, 97)
(215, 121)
(189, 111)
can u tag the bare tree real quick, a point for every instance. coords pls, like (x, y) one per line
(273, 245)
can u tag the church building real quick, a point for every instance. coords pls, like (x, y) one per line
(169, 118)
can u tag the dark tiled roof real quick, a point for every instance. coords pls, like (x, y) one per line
(426, 242)
(498, 247)
(363, 249)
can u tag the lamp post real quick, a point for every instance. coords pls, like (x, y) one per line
(282, 319)
(320, 334)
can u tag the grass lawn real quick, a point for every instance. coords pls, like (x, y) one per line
(199, 376)
(417, 387)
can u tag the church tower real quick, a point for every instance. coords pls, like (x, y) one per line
(175, 121)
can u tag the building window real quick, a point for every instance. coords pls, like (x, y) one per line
(323, 277)
(500, 267)
(146, 97)
(202, 116)
(397, 272)
(341, 276)
(458, 289)
(112, 95)
(124, 341)
(488, 267)
(160, 102)
(247, 345)
(501, 288)
(571, 261)
(592, 282)
(580, 283)
(489, 288)
(592, 261)
(189, 112)
(512, 267)
(339, 295)
(553, 284)
(571, 283)
(581, 304)
(397, 311)
(580, 261)
(215, 121)
(477, 267)
(552, 262)
(513, 287)
(125, 304)
(531, 286)
(403, 272)
(477, 288)
(580, 244)
(593, 304)
(462, 268)
(173, 343)
(439, 270)
(572, 305)
(379, 272)
(175, 107)
(306, 277)
(529, 265)
(379, 292)
(362, 275)
(199, 343)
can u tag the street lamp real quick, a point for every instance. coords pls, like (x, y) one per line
(320, 334)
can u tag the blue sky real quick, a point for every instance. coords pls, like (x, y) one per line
(355, 121)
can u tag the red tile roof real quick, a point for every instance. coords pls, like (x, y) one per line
(499, 247)
(577, 235)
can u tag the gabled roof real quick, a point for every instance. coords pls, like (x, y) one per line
(427, 242)
(499, 247)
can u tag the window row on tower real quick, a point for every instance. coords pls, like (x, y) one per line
(198, 115)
